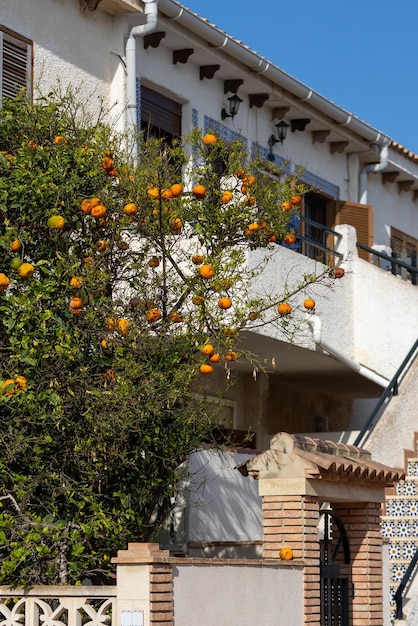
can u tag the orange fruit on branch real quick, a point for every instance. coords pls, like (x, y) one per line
(226, 197)
(231, 356)
(26, 270)
(176, 190)
(76, 303)
(284, 308)
(209, 139)
(153, 193)
(166, 194)
(123, 326)
(154, 261)
(175, 317)
(289, 239)
(130, 208)
(21, 382)
(286, 206)
(197, 259)
(76, 282)
(153, 315)
(107, 163)
(15, 245)
(199, 192)
(9, 387)
(207, 349)
(205, 368)
(98, 211)
(295, 200)
(309, 304)
(4, 282)
(215, 358)
(339, 272)
(225, 303)
(206, 271)
(56, 222)
(102, 245)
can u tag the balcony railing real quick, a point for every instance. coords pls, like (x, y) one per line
(404, 267)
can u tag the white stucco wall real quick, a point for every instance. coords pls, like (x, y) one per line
(72, 48)
(225, 595)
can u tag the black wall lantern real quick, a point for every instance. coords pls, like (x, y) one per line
(234, 102)
(281, 134)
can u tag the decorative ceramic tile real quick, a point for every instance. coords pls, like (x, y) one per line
(388, 528)
(406, 488)
(408, 550)
(395, 550)
(412, 468)
(403, 529)
(396, 507)
(412, 507)
(397, 572)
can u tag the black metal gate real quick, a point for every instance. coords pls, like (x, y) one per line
(335, 576)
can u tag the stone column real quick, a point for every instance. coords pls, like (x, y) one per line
(144, 586)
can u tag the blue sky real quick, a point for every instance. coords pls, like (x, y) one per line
(361, 54)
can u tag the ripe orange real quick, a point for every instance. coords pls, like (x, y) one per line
(153, 315)
(309, 304)
(4, 282)
(225, 303)
(286, 554)
(176, 225)
(107, 163)
(176, 190)
(249, 180)
(199, 192)
(175, 317)
(206, 271)
(230, 356)
(205, 368)
(253, 227)
(56, 222)
(289, 239)
(295, 200)
(197, 259)
(76, 282)
(154, 261)
(226, 197)
(207, 349)
(98, 211)
(59, 139)
(339, 272)
(284, 308)
(9, 387)
(249, 200)
(209, 139)
(215, 358)
(76, 303)
(271, 238)
(26, 270)
(166, 194)
(241, 174)
(153, 193)
(15, 245)
(111, 323)
(123, 326)
(286, 206)
(130, 208)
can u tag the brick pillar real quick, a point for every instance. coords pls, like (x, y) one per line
(145, 584)
(362, 524)
(292, 521)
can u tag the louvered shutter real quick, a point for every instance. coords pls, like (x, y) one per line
(160, 112)
(15, 65)
(361, 217)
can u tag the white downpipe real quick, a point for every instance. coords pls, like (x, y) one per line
(151, 13)
(372, 169)
(315, 325)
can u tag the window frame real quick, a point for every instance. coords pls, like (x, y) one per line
(12, 38)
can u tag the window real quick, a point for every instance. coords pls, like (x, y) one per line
(160, 116)
(15, 64)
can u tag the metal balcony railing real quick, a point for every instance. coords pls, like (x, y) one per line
(405, 267)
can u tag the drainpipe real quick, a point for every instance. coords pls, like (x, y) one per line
(315, 325)
(372, 169)
(151, 14)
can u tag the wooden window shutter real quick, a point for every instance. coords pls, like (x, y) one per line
(361, 217)
(15, 65)
(160, 111)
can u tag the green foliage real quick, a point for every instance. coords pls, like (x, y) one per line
(108, 406)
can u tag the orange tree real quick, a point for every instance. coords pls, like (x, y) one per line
(116, 278)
